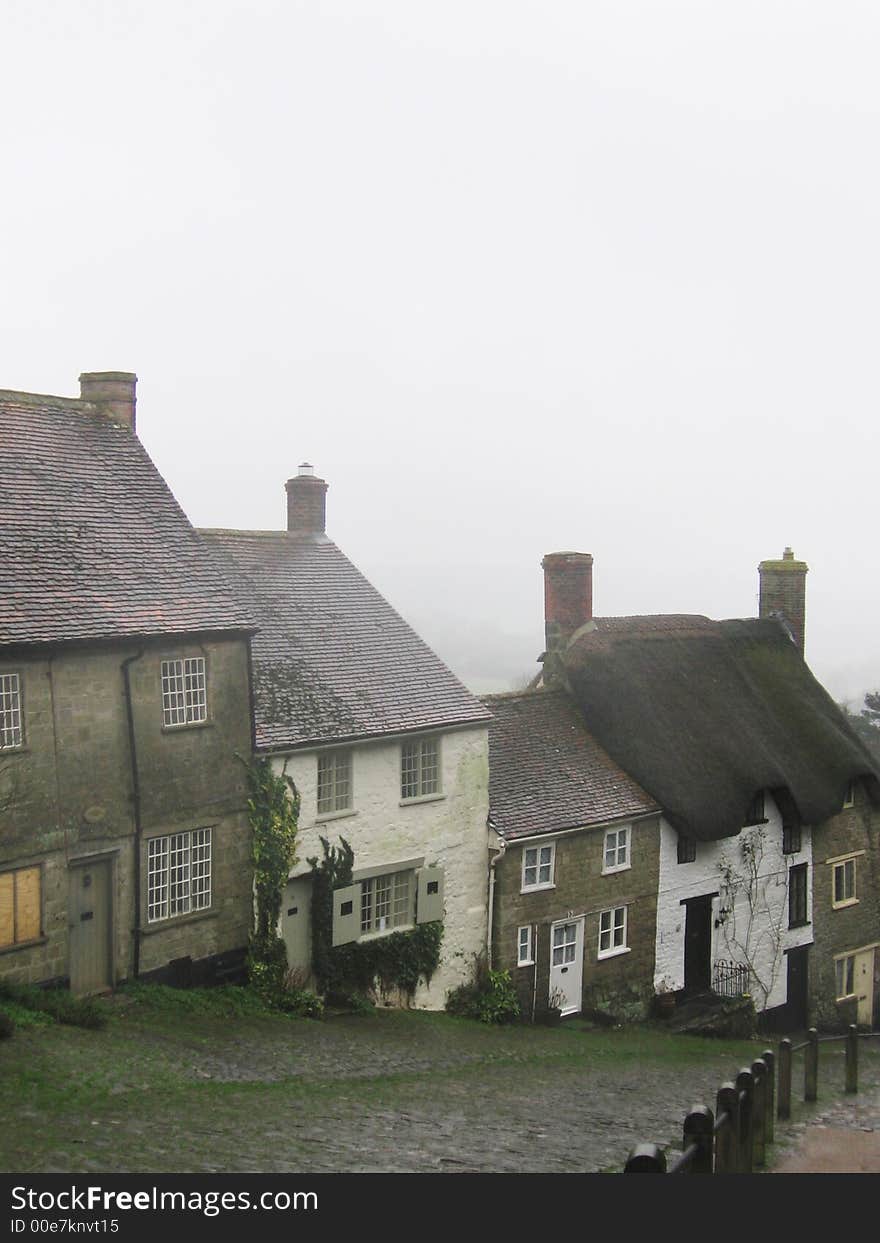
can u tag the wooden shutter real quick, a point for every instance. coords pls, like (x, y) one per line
(430, 895)
(27, 904)
(346, 915)
(7, 908)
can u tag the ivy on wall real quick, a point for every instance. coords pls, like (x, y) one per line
(273, 812)
(398, 960)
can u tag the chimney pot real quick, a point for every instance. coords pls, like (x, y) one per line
(783, 593)
(568, 596)
(306, 501)
(113, 392)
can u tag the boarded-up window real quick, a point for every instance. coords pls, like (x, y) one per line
(19, 906)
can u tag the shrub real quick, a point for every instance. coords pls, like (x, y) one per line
(491, 997)
(56, 1002)
(7, 1025)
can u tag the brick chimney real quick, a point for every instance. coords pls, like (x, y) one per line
(306, 499)
(568, 596)
(113, 391)
(784, 594)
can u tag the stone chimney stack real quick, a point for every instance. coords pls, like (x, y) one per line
(114, 391)
(568, 596)
(784, 594)
(306, 502)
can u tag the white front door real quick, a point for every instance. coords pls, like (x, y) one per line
(864, 986)
(567, 965)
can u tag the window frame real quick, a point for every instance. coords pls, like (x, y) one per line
(623, 946)
(334, 757)
(757, 811)
(159, 848)
(23, 941)
(840, 962)
(538, 884)
(183, 694)
(849, 798)
(792, 837)
(840, 865)
(370, 886)
(431, 740)
(625, 831)
(13, 710)
(799, 870)
(529, 959)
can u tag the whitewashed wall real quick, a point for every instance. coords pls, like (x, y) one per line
(449, 831)
(757, 941)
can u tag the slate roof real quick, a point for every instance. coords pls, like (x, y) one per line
(333, 661)
(703, 714)
(92, 543)
(546, 771)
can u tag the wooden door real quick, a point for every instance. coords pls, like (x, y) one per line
(567, 965)
(698, 944)
(864, 986)
(796, 992)
(296, 923)
(90, 920)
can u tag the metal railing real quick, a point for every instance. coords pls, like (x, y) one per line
(733, 1138)
(730, 979)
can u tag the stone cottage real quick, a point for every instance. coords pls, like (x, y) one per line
(124, 698)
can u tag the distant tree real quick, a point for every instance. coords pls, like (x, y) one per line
(525, 682)
(866, 722)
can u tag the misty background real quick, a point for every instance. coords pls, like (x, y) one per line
(516, 277)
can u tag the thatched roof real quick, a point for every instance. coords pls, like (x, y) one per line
(703, 714)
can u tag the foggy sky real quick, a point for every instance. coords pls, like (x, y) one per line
(515, 277)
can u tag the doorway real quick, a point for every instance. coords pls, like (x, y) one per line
(796, 991)
(567, 965)
(698, 944)
(90, 924)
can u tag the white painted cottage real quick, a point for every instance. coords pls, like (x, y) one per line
(387, 749)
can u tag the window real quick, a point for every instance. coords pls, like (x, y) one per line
(755, 814)
(11, 734)
(612, 932)
(797, 896)
(564, 944)
(791, 837)
(616, 850)
(849, 799)
(537, 872)
(334, 782)
(178, 874)
(184, 692)
(687, 849)
(420, 768)
(386, 902)
(844, 891)
(20, 906)
(524, 955)
(845, 970)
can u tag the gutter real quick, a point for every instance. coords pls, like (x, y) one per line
(136, 808)
(492, 862)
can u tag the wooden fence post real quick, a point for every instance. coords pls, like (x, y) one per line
(811, 1066)
(699, 1131)
(727, 1143)
(745, 1088)
(759, 1111)
(783, 1109)
(646, 1159)
(852, 1058)
(768, 1057)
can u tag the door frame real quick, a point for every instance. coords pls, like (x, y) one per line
(83, 861)
(707, 901)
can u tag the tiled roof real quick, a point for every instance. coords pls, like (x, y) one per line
(92, 543)
(332, 659)
(547, 773)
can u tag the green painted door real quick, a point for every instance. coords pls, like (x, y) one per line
(90, 919)
(296, 923)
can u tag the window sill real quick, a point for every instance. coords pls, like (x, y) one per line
(621, 949)
(335, 815)
(801, 923)
(23, 945)
(22, 749)
(185, 725)
(175, 921)
(386, 932)
(422, 798)
(621, 867)
(527, 962)
(838, 906)
(538, 888)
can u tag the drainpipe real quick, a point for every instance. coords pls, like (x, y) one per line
(136, 808)
(492, 862)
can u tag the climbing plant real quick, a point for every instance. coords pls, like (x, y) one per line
(273, 811)
(754, 909)
(398, 960)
